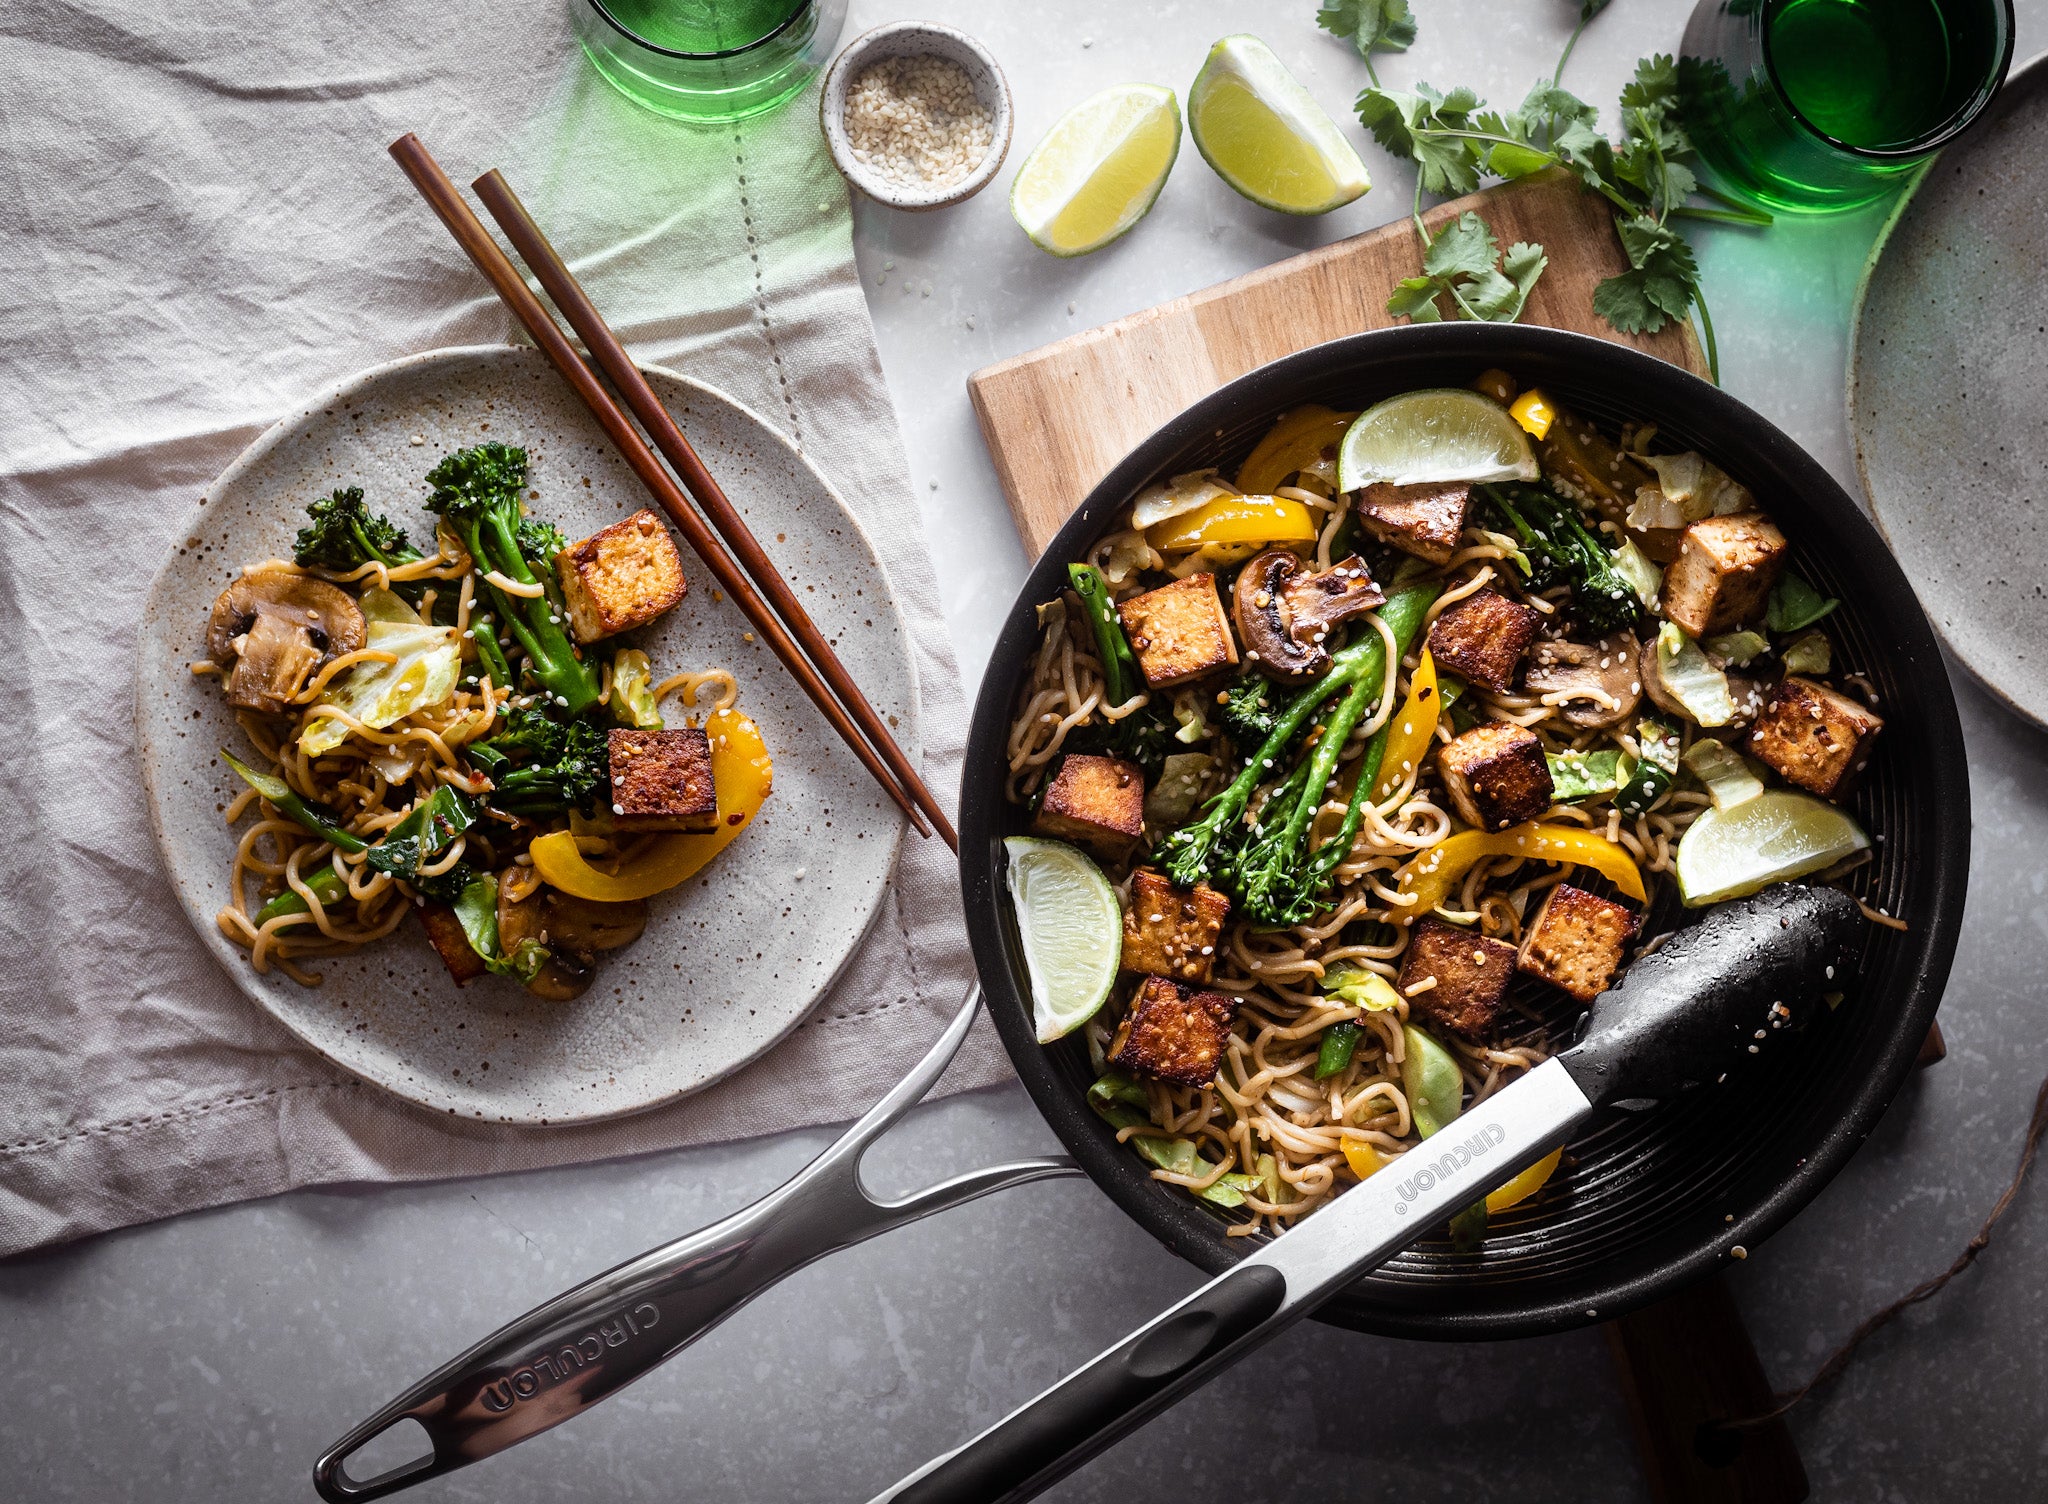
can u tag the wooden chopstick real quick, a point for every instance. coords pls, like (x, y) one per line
(447, 202)
(561, 285)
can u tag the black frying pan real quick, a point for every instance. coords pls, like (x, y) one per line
(1644, 1207)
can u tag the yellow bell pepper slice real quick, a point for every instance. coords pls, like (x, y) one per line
(1533, 411)
(1414, 729)
(1362, 1157)
(1524, 1185)
(1294, 443)
(744, 774)
(1434, 873)
(1235, 519)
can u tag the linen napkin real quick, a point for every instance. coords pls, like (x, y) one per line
(201, 227)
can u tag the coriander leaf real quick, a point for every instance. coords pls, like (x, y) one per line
(1504, 160)
(1492, 297)
(1623, 303)
(1464, 247)
(1588, 9)
(1654, 86)
(1523, 264)
(1551, 105)
(1425, 127)
(1370, 25)
(1415, 297)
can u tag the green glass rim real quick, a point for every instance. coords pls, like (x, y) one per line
(604, 14)
(1963, 118)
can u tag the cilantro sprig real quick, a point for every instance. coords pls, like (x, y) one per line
(1464, 262)
(1456, 143)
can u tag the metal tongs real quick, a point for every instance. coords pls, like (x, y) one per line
(1676, 1015)
(561, 1358)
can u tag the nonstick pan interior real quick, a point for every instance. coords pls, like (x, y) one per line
(1646, 1201)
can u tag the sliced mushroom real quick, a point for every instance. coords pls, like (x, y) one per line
(1317, 602)
(272, 628)
(1653, 682)
(574, 930)
(586, 926)
(1283, 615)
(1604, 679)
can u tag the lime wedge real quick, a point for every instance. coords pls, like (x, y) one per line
(1098, 169)
(1773, 838)
(1072, 929)
(1265, 134)
(1434, 436)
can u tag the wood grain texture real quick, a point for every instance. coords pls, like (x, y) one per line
(1685, 1362)
(1056, 419)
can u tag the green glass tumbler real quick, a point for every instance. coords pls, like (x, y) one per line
(708, 60)
(1821, 105)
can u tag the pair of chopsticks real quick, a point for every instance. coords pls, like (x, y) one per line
(750, 578)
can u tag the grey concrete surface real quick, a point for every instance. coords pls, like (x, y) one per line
(210, 1357)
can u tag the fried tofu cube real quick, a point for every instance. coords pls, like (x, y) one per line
(450, 942)
(1426, 521)
(1724, 571)
(1455, 977)
(1814, 736)
(1171, 932)
(620, 577)
(1095, 802)
(1174, 1032)
(1496, 775)
(1482, 638)
(1179, 631)
(1577, 941)
(661, 780)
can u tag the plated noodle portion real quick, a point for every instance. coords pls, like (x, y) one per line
(467, 735)
(1384, 746)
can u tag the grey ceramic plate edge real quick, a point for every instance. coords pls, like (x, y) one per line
(2029, 700)
(846, 937)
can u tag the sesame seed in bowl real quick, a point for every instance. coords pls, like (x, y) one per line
(916, 115)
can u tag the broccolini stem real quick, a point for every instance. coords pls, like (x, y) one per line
(1119, 666)
(286, 799)
(326, 884)
(484, 631)
(1188, 854)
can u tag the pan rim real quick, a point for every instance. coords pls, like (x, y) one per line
(1649, 1269)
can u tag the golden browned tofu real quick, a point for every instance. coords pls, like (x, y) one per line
(1483, 638)
(1724, 571)
(1425, 521)
(620, 577)
(1171, 932)
(1095, 802)
(661, 780)
(1461, 976)
(1496, 775)
(1179, 631)
(1814, 736)
(1577, 941)
(450, 942)
(1174, 1032)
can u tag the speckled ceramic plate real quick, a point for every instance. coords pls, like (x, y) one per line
(731, 961)
(1947, 369)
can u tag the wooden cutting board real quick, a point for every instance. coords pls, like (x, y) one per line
(1056, 419)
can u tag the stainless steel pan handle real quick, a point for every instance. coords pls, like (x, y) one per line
(563, 1357)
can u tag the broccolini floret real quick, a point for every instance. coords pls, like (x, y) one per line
(538, 765)
(342, 534)
(1562, 550)
(478, 492)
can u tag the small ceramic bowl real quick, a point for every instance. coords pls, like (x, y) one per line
(915, 39)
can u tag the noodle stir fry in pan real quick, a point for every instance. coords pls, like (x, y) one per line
(1385, 746)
